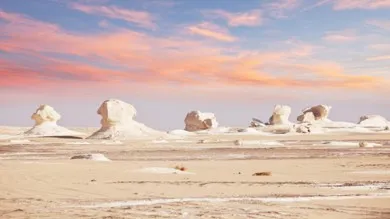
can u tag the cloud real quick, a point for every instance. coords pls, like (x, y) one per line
(122, 57)
(140, 18)
(330, 75)
(316, 4)
(213, 31)
(383, 24)
(379, 58)
(339, 5)
(278, 8)
(340, 36)
(104, 24)
(249, 18)
(381, 47)
(360, 4)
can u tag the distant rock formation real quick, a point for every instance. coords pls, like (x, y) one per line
(373, 121)
(302, 128)
(46, 118)
(315, 113)
(280, 115)
(257, 123)
(118, 124)
(197, 121)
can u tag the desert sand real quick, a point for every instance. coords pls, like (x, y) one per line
(310, 176)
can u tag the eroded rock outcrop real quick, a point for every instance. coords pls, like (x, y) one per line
(197, 121)
(315, 113)
(373, 121)
(46, 118)
(280, 115)
(257, 123)
(118, 122)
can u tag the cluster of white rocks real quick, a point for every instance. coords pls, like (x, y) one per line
(118, 123)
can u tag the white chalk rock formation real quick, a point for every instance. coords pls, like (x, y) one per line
(278, 129)
(373, 121)
(197, 121)
(302, 128)
(257, 123)
(118, 122)
(46, 123)
(280, 115)
(315, 113)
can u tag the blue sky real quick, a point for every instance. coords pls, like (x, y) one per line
(234, 58)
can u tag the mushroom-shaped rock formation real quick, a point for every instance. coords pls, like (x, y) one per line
(118, 124)
(315, 113)
(280, 115)
(197, 121)
(373, 121)
(46, 123)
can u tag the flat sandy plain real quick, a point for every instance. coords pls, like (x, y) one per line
(39, 180)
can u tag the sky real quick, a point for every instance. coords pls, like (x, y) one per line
(235, 58)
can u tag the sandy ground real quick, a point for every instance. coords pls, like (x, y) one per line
(39, 180)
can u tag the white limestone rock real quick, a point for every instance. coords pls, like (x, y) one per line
(197, 121)
(46, 118)
(315, 113)
(304, 129)
(278, 129)
(257, 123)
(280, 115)
(373, 121)
(118, 124)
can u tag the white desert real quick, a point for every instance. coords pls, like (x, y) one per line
(313, 168)
(118, 122)
(46, 118)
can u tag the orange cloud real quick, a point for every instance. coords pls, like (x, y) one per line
(141, 18)
(213, 31)
(249, 18)
(332, 75)
(378, 58)
(361, 4)
(124, 56)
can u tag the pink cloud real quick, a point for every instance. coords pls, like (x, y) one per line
(316, 4)
(213, 31)
(381, 47)
(278, 8)
(249, 18)
(139, 58)
(141, 18)
(383, 24)
(340, 36)
(361, 4)
(104, 23)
